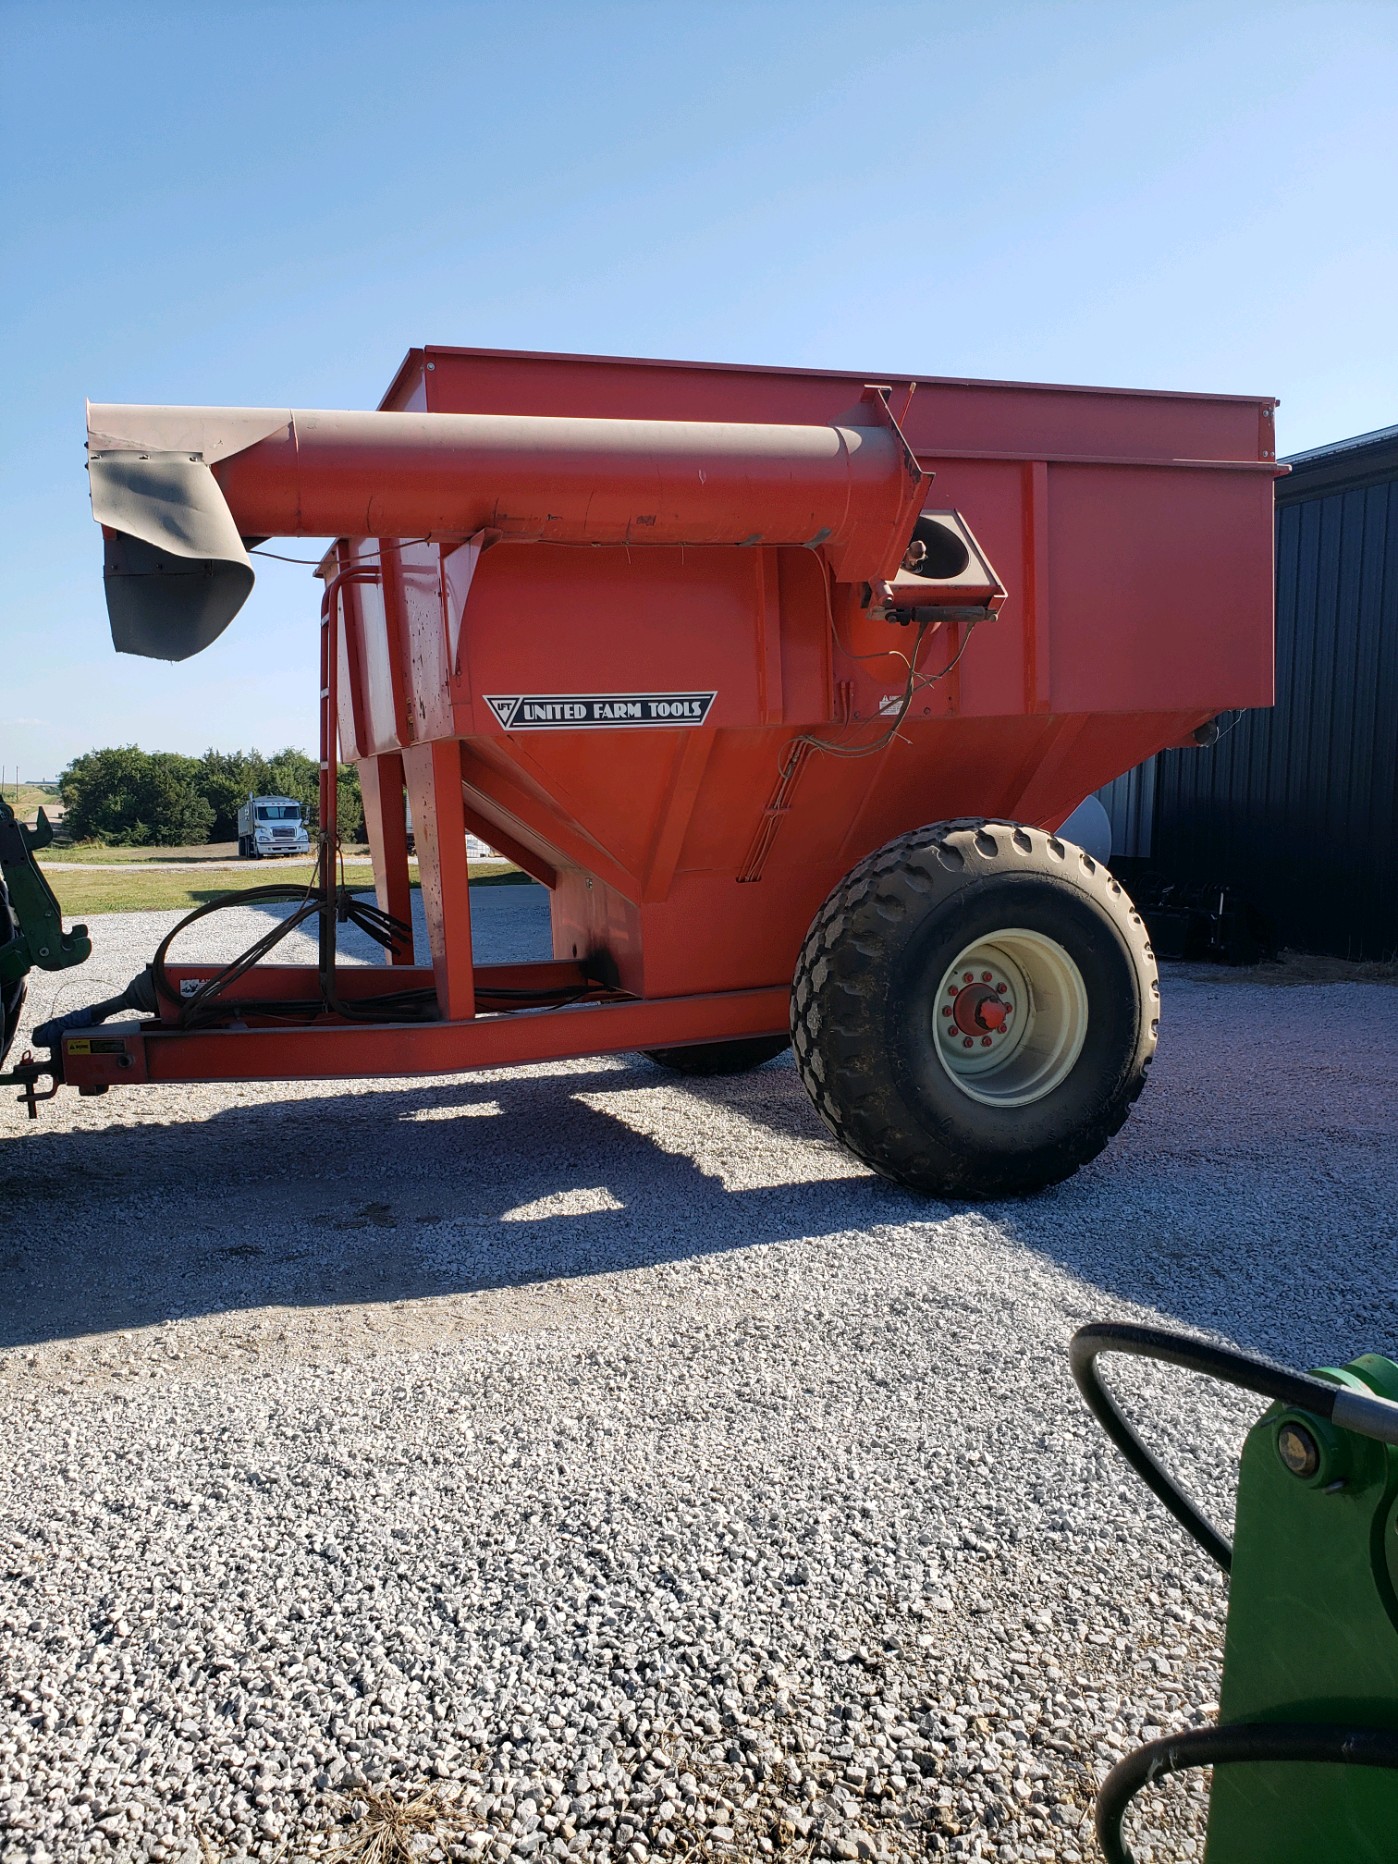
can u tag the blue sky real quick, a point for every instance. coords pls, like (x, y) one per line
(237, 203)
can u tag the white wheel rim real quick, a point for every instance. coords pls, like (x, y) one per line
(1010, 1018)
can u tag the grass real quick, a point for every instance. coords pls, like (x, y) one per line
(103, 854)
(116, 890)
(98, 854)
(95, 890)
(376, 1825)
(25, 798)
(391, 1830)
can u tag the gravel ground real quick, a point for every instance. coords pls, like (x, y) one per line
(612, 1463)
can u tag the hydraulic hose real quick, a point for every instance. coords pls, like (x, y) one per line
(1366, 1415)
(1284, 1742)
(307, 903)
(209, 1003)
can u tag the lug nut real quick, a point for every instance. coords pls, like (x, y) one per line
(1001, 989)
(985, 1041)
(969, 977)
(985, 977)
(967, 1042)
(946, 1009)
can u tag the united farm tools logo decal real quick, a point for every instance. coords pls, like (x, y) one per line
(570, 711)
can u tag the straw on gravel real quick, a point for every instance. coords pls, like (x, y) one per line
(610, 1454)
(393, 1827)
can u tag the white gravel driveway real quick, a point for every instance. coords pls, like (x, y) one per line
(614, 1454)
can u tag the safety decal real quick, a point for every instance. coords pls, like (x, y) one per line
(569, 711)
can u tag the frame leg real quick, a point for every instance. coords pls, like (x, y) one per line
(433, 774)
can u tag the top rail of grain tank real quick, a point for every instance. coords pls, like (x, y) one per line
(942, 417)
(544, 478)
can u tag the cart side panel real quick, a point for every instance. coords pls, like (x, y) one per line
(1160, 589)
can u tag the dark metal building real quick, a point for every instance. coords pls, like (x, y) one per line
(1295, 811)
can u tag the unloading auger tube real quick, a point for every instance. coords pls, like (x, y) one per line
(1318, 1413)
(182, 492)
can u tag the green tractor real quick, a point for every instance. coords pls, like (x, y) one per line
(1305, 1751)
(31, 930)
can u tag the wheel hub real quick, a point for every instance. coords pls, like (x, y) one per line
(981, 1008)
(1011, 1017)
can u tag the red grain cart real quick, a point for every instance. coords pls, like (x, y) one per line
(781, 682)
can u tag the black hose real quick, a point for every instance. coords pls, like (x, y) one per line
(311, 902)
(1216, 1362)
(338, 903)
(1285, 1742)
(308, 902)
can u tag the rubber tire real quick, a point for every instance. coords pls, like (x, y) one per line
(861, 1008)
(711, 1058)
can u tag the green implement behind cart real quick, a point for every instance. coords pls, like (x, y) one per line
(31, 925)
(1305, 1751)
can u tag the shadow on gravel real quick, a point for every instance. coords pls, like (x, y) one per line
(387, 1195)
(1232, 1184)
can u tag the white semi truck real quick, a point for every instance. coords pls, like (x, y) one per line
(271, 825)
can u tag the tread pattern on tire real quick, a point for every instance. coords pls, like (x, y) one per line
(835, 983)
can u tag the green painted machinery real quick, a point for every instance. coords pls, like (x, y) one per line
(1305, 1752)
(31, 925)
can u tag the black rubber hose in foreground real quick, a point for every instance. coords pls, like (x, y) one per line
(1215, 1362)
(1285, 1742)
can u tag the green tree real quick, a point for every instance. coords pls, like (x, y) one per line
(140, 798)
(292, 773)
(226, 780)
(351, 804)
(158, 798)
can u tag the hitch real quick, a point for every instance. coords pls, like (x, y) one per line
(26, 1074)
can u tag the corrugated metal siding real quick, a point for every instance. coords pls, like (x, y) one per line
(1297, 808)
(1130, 807)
